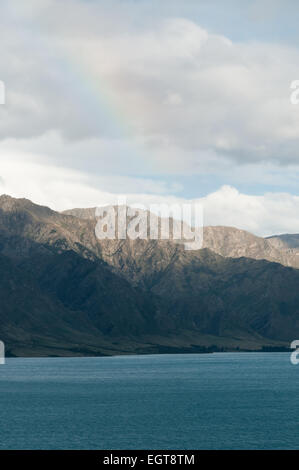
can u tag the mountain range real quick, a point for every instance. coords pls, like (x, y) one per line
(64, 292)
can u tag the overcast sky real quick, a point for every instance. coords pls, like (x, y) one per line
(169, 100)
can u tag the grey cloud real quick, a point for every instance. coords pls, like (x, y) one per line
(179, 89)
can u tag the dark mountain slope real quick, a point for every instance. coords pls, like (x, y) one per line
(224, 296)
(64, 304)
(108, 301)
(63, 292)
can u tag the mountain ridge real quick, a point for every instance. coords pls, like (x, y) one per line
(230, 242)
(64, 292)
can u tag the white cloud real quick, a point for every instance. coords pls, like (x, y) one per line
(22, 175)
(61, 188)
(272, 213)
(172, 84)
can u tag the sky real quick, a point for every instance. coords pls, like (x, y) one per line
(161, 101)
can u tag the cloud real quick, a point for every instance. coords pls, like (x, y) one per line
(272, 213)
(22, 175)
(132, 97)
(183, 91)
(61, 188)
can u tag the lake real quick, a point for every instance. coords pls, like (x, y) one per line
(181, 401)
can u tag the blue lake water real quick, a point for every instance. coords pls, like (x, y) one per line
(209, 401)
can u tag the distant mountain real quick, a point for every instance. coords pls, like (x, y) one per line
(64, 292)
(235, 243)
(285, 241)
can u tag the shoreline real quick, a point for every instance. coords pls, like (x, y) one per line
(241, 351)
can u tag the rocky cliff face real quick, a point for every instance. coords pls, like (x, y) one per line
(229, 242)
(285, 241)
(234, 243)
(64, 292)
(49, 229)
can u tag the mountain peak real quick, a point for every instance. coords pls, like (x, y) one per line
(9, 203)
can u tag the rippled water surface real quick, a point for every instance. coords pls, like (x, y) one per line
(209, 401)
